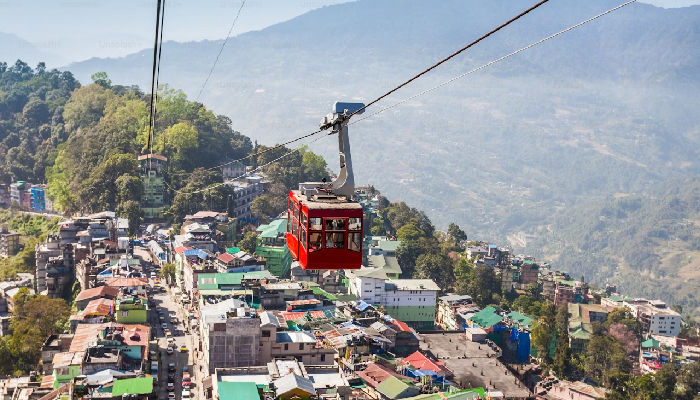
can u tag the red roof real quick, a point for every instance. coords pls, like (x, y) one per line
(226, 257)
(99, 307)
(290, 316)
(419, 361)
(375, 374)
(156, 156)
(181, 249)
(101, 291)
(402, 326)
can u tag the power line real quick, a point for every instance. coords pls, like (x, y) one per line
(153, 77)
(222, 49)
(444, 60)
(494, 61)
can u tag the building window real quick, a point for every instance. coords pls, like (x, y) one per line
(286, 346)
(301, 346)
(265, 333)
(323, 357)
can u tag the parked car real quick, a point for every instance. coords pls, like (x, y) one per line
(171, 367)
(183, 349)
(171, 386)
(171, 395)
(170, 351)
(164, 326)
(186, 394)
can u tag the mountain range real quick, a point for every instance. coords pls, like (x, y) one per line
(608, 109)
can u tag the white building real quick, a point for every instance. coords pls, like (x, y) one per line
(412, 301)
(656, 318)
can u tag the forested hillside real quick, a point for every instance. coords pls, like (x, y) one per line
(84, 142)
(609, 107)
(648, 244)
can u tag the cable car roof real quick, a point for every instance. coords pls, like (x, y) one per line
(337, 204)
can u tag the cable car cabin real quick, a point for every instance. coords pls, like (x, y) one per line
(324, 232)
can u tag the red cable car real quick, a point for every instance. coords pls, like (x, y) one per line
(324, 224)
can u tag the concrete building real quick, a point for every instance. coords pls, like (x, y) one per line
(233, 170)
(245, 191)
(53, 345)
(276, 342)
(134, 286)
(153, 199)
(272, 246)
(230, 333)
(580, 320)
(655, 317)
(412, 301)
(131, 310)
(9, 242)
(43, 252)
(447, 310)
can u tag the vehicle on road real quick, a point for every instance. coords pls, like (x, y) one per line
(170, 351)
(171, 367)
(168, 334)
(186, 394)
(161, 318)
(164, 325)
(171, 395)
(186, 368)
(183, 349)
(153, 354)
(171, 379)
(185, 376)
(171, 386)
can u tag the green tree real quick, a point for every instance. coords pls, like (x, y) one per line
(101, 79)
(605, 355)
(409, 232)
(543, 333)
(314, 167)
(456, 233)
(261, 207)
(129, 188)
(562, 353)
(483, 285)
(463, 272)
(249, 242)
(86, 106)
(36, 112)
(434, 266)
(168, 272)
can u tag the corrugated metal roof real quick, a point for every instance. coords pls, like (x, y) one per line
(293, 381)
(133, 386)
(295, 337)
(238, 391)
(393, 387)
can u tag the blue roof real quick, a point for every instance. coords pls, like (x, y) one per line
(195, 253)
(492, 246)
(362, 305)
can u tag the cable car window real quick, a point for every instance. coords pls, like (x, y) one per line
(355, 224)
(303, 218)
(335, 240)
(335, 224)
(315, 224)
(296, 211)
(289, 221)
(303, 237)
(355, 241)
(295, 229)
(315, 241)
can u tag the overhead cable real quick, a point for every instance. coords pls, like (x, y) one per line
(493, 62)
(221, 49)
(153, 76)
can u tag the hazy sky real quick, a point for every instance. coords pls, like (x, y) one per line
(76, 30)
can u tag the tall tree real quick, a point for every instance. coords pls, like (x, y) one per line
(483, 285)
(562, 353)
(543, 333)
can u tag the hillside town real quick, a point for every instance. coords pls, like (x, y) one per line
(197, 313)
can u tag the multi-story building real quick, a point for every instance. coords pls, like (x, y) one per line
(233, 170)
(9, 242)
(230, 333)
(60, 272)
(153, 199)
(51, 249)
(131, 310)
(272, 246)
(245, 191)
(38, 198)
(412, 301)
(276, 342)
(580, 320)
(655, 317)
(19, 194)
(447, 310)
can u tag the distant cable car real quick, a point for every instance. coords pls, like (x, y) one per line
(324, 224)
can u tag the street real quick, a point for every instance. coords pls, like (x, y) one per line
(169, 308)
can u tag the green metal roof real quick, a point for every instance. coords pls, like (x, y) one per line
(273, 229)
(319, 291)
(520, 318)
(651, 343)
(214, 281)
(393, 387)
(133, 386)
(132, 261)
(388, 263)
(389, 245)
(233, 250)
(238, 391)
(487, 317)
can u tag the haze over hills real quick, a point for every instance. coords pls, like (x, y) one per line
(607, 108)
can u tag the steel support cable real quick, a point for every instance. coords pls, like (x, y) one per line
(155, 102)
(451, 56)
(153, 76)
(221, 49)
(493, 62)
(393, 90)
(247, 173)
